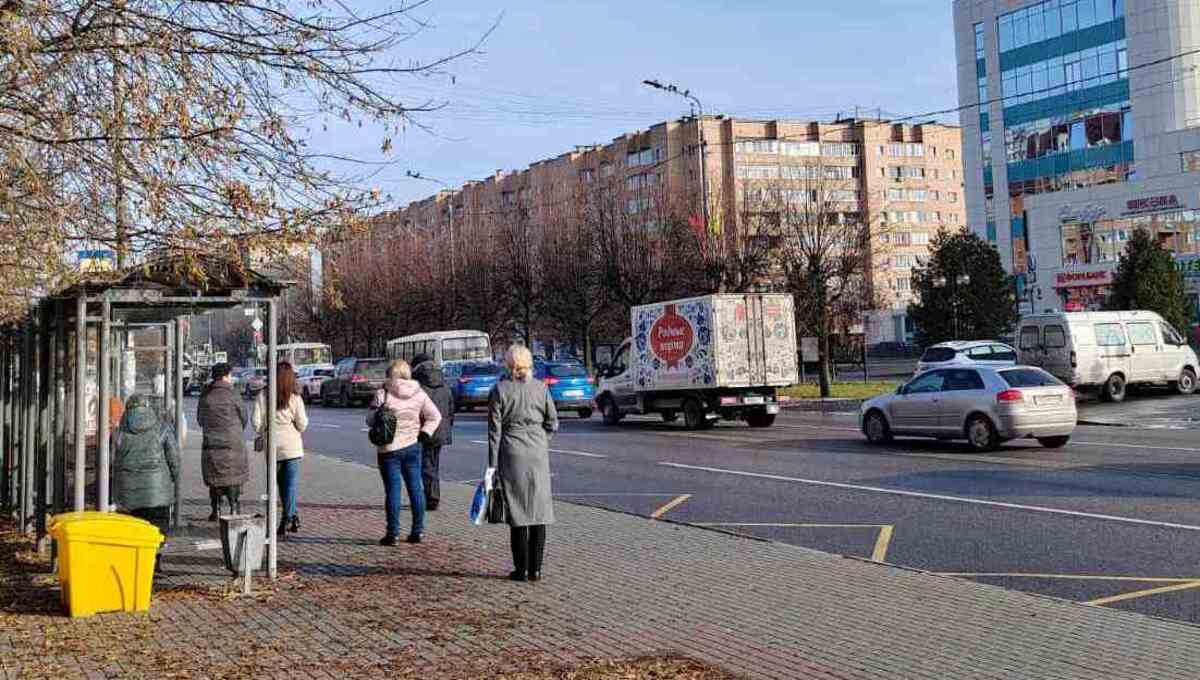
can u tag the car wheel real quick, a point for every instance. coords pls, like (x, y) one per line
(669, 416)
(694, 415)
(876, 428)
(981, 434)
(585, 413)
(325, 399)
(760, 419)
(304, 396)
(1054, 442)
(610, 412)
(344, 400)
(467, 408)
(1187, 382)
(1114, 389)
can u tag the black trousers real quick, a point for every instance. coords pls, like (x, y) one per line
(159, 516)
(430, 477)
(232, 493)
(528, 547)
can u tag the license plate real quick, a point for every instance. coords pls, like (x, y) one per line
(1048, 399)
(573, 393)
(753, 400)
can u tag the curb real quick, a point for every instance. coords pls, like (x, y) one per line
(822, 405)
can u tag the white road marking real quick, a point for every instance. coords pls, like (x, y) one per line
(619, 493)
(1138, 446)
(940, 497)
(332, 427)
(565, 452)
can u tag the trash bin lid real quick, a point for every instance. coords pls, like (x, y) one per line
(110, 527)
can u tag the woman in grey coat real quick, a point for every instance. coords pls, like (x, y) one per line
(223, 454)
(521, 418)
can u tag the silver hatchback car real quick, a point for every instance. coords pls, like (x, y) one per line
(985, 406)
(966, 353)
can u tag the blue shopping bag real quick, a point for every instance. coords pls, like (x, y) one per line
(479, 503)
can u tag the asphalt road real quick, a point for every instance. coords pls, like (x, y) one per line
(1113, 519)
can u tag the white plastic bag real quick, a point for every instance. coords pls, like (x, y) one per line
(479, 502)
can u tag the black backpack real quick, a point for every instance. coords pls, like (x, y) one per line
(383, 428)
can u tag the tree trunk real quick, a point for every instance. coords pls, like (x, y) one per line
(825, 372)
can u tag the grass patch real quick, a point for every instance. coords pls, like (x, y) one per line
(841, 390)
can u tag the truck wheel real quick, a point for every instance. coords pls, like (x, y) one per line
(1187, 382)
(1114, 389)
(760, 419)
(610, 412)
(694, 415)
(669, 416)
(585, 413)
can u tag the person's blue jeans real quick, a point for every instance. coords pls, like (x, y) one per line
(403, 467)
(287, 476)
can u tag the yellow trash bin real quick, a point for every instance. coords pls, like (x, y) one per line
(105, 561)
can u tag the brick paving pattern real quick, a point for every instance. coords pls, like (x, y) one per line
(617, 586)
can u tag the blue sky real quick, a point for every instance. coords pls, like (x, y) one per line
(557, 74)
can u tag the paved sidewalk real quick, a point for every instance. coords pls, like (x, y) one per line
(617, 586)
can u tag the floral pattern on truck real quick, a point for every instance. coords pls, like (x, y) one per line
(673, 344)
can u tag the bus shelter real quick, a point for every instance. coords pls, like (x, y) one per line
(65, 364)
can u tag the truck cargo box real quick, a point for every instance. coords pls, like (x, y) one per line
(715, 341)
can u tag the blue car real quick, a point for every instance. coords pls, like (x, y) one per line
(570, 386)
(474, 384)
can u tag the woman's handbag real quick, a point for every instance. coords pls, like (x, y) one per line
(497, 512)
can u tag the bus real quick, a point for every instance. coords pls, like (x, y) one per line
(451, 349)
(305, 354)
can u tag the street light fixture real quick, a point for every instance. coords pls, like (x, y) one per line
(958, 281)
(687, 94)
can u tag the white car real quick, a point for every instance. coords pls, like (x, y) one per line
(985, 406)
(964, 353)
(309, 380)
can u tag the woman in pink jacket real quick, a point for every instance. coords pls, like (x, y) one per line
(417, 418)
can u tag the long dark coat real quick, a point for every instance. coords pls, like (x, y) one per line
(434, 384)
(222, 415)
(145, 462)
(521, 418)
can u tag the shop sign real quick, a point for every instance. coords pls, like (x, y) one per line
(1086, 213)
(1135, 206)
(1188, 265)
(1101, 277)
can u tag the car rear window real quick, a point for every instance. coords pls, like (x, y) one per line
(481, 369)
(566, 371)
(325, 372)
(1029, 377)
(938, 354)
(372, 369)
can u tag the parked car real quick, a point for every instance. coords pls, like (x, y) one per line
(475, 383)
(310, 379)
(1108, 351)
(983, 405)
(254, 382)
(570, 386)
(964, 353)
(239, 376)
(354, 381)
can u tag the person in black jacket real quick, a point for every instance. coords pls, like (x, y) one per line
(430, 376)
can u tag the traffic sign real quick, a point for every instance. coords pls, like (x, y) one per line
(257, 325)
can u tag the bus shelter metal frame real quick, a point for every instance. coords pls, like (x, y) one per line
(43, 405)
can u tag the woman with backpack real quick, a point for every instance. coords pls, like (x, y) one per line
(402, 418)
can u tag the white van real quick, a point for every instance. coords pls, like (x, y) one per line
(1108, 350)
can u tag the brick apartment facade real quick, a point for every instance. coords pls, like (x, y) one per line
(907, 179)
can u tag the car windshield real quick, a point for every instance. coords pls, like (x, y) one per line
(481, 369)
(372, 369)
(1029, 377)
(566, 371)
(934, 354)
(312, 355)
(323, 372)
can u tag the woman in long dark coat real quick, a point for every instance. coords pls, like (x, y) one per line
(521, 418)
(223, 454)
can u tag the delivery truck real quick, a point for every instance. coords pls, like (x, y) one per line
(705, 358)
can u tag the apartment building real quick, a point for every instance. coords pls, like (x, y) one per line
(904, 178)
(1082, 124)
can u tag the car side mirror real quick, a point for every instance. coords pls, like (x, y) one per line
(900, 389)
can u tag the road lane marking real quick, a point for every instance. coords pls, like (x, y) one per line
(565, 452)
(941, 497)
(1066, 577)
(334, 427)
(620, 493)
(882, 542)
(1139, 446)
(1142, 593)
(673, 503)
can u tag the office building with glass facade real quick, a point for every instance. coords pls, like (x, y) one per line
(1081, 124)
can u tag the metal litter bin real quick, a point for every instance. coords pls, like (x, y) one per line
(243, 536)
(105, 561)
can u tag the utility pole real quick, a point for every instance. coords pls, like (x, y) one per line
(118, 151)
(699, 109)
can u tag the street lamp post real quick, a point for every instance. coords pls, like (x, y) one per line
(687, 94)
(955, 283)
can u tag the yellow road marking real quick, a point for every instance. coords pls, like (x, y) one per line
(881, 543)
(1143, 593)
(674, 502)
(1070, 577)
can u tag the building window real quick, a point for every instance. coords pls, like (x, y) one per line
(934, 195)
(920, 238)
(952, 196)
(1190, 160)
(800, 148)
(903, 262)
(902, 283)
(839, 149)
(758, 171)
(980, 53)
(840, 172)
(587, 175)
(758, 146)
(606, 169)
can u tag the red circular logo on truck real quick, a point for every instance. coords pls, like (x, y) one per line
(671, 337)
